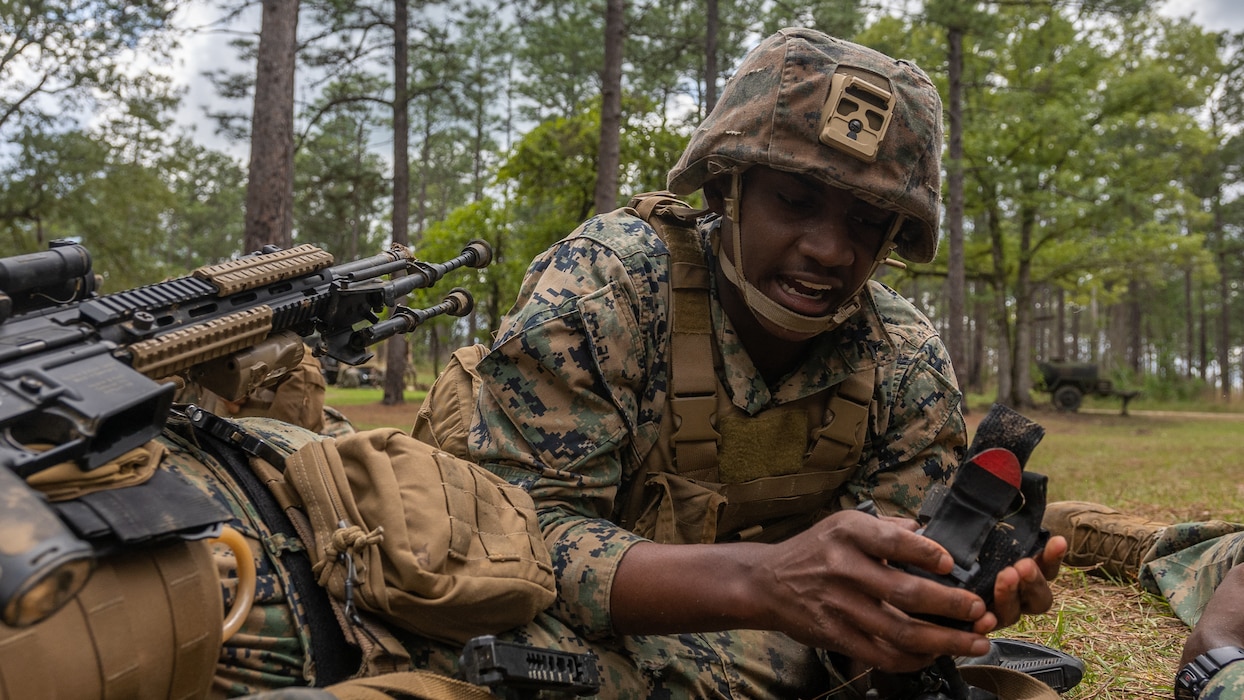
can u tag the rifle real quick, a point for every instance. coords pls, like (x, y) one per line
(85, 377)
(518, 671)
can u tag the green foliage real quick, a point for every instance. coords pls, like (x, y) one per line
(481, 220)
(339, 187)
(204, 223)
(70, 185)
(60, 56)
(1101, 144)
(1167, 387)
(844, 18)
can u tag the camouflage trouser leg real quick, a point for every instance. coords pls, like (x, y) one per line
(1188, 561)
(738, 664)
(1228, 684)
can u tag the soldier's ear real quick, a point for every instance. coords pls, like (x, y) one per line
(714, 197)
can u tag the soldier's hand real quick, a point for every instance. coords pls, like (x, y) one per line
(1023, 589)
(832, 587)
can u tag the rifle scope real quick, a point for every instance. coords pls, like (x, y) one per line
(59, 275)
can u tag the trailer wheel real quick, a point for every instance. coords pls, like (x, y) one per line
(1067, 398)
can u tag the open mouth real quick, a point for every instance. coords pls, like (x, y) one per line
(806, 297)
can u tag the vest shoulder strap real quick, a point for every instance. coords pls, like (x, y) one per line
(693, 382)
(840, 440)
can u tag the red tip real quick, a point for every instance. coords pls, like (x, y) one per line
(1002, 463)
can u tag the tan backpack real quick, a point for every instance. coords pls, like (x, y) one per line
(422, 539)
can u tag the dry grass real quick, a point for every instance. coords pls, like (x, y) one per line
(1128, 639)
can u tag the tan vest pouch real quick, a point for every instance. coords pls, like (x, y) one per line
(423, 539)
(444, 420)
(146, 626)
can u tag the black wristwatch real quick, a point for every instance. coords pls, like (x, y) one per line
(1192, 678)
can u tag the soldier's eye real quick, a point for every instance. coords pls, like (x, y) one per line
(795, 202)
(871, 222)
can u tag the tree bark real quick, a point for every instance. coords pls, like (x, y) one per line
(270, 188)
(395, 347)
(1189, 323)
(712, 22)
(1224, 328)
(1132, 324)
(1021, 351)
(1002, 316)
(606, 196)
(956, 343)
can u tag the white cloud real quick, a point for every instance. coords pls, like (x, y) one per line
(206, 48)
(1215, 15)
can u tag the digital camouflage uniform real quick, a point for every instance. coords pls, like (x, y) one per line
(1185, 565)
(269, 651)
(572, 400)
(1227, 684)
(573, 393)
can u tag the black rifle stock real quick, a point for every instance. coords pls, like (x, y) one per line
(87, 378)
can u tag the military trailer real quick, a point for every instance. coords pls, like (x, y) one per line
(1069, 382)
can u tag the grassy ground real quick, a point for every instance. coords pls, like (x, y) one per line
(1164, 464)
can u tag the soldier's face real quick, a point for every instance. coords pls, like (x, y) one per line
(805, 244)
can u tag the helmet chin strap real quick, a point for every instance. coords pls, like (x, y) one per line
(770, 310)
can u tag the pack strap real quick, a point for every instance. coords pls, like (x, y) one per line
(693, 380)
(163, 506)
(333, 659)
(380, 651)
(423, 685)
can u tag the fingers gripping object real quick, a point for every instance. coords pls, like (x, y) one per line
(983, 493)
(990, 515)
(987, 519)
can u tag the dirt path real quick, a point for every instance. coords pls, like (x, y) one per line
(377, 415)
(1198, 415)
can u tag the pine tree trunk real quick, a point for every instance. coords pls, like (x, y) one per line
(270, 187)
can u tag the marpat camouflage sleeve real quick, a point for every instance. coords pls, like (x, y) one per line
(567, 395)
(574, 389)
(918, 436)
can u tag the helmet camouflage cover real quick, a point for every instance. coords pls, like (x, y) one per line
(845, 114)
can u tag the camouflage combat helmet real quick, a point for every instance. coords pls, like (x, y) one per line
(845, 114)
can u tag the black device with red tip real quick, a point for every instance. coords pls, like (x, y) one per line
(983, 493)
(990, 515)
(988, 518)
